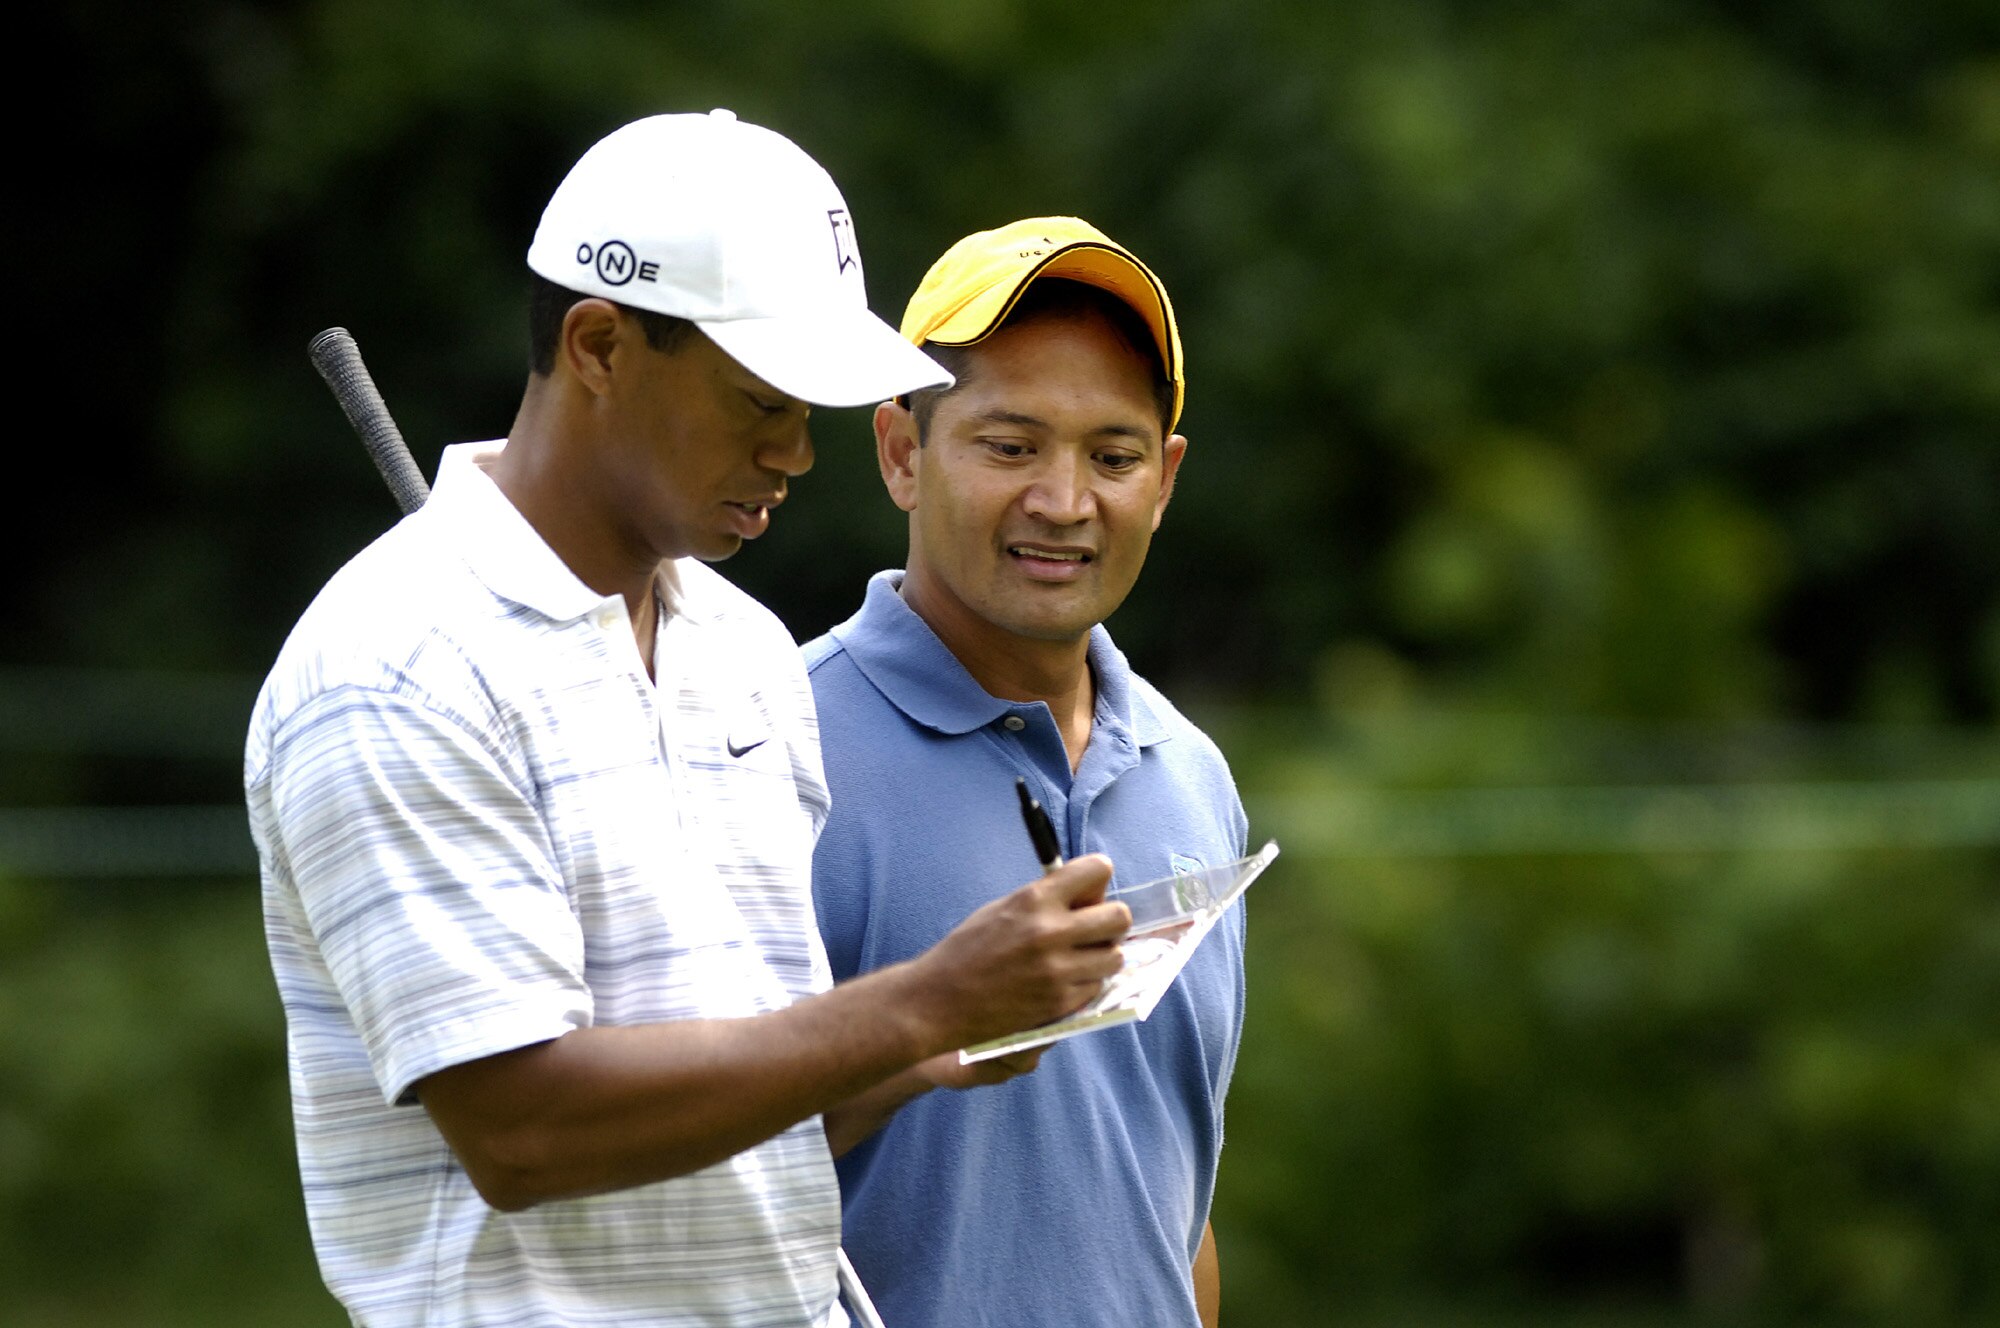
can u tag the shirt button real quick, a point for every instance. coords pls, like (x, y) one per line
(1014, 723)
(607, 617)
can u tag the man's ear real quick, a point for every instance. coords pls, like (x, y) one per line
(1170, 466)
(897, 453)
(591, 331)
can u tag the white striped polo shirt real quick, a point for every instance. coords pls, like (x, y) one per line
(481, 825)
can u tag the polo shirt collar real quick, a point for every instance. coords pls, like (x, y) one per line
(1118, 700)
(899, 653)
(504, 551)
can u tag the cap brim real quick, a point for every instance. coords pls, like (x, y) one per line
(844, 359)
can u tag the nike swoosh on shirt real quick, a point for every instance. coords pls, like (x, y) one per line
(736, 749)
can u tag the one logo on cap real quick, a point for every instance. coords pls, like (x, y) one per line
(616, 263)
(846, 253)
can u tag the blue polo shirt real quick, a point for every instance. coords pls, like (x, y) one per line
(1074, 1195)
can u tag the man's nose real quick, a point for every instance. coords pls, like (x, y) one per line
(790, 454)
(1061, 493)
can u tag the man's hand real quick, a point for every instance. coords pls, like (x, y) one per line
(863, 1114)
(946, 1072)
(1027, 958)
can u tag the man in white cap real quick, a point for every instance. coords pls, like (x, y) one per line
(535, 794)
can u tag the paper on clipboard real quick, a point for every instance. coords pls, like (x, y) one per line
(1170, 916)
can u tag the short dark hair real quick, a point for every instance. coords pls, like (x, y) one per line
(1052, 297)
(549, 304)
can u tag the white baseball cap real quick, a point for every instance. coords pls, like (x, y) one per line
(736, 229)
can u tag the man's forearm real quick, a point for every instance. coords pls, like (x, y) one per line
(605, 1108)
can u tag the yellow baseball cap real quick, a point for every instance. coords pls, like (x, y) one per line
(972, 288)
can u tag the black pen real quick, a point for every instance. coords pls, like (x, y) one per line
(1046, 850)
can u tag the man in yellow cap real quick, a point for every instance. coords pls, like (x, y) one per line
(1078, 1194)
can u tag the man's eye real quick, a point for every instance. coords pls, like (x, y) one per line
(1007, 449)
(1117, 460)
(768, 407)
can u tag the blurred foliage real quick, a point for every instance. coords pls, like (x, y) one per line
(146, 1167)
(1759, 1085)
(1636, 360)
(1641, 354)
(1754, 1085)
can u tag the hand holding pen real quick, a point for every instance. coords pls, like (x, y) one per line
(1035, 954)
(1043, 835)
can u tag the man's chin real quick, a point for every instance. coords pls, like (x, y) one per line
(1056, 627)
(722, 548)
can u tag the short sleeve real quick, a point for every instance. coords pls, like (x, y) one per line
(425, 872)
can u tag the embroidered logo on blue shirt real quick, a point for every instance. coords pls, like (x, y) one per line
(1190, 892)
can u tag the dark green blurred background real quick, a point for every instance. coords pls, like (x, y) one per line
(1589, 556)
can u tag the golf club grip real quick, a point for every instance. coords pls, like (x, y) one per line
(338, 360)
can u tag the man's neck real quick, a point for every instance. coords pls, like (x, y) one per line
(532, 473)
(1014, 667)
